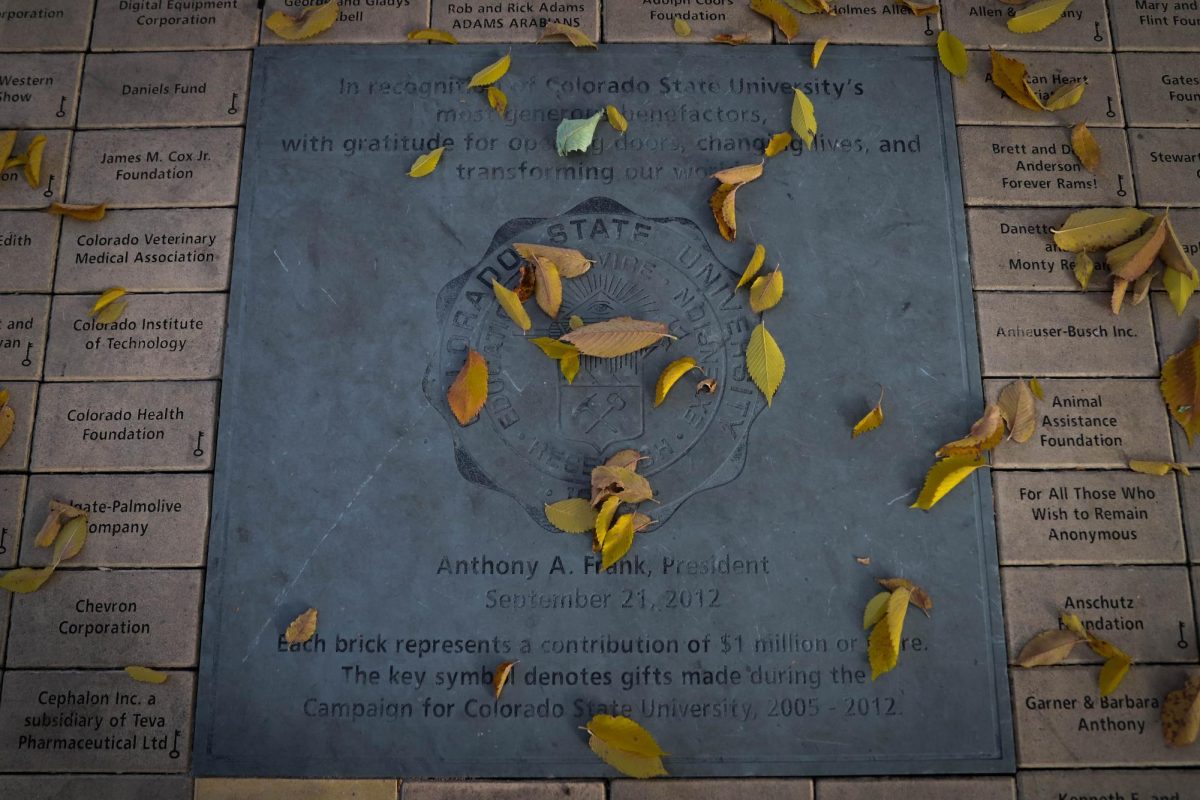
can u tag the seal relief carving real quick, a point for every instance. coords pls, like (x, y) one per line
(538, 436)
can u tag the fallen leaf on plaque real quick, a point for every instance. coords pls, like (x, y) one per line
(616, 337)
(872, 420)
(944, 476)
(503, 671)
(572, 34)
(302, 628)
(491, 73)
(765, 362)
(575, 135)
(468, 393)
(432, 35)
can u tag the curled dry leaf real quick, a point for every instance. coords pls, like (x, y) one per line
(1181, 714)
(33, 161)
(304, 25)
(1084, 268)
(741, 174)
(804, 118)
(1085, 147)
(59, 514)
(302, 628)
(146, 674)
(1012, 77)
(572, 34)
(511, 303)
(817, 51)
(570, 263)
(765, 362)
(732, 38)
(1018, 407)
(575, 515)
(526, 283)
(1159, 468)
(84, 213)
(1035, 386)
(1119, 287)
(67, 545)
(575, 135)
(1180, 386)
(503, 671)
(8, 420)
(1180, 289)
(670, 375)
(107, 297)
(872, 420)
(469, 391)
(883, 645)
(876, 608)
(984, 435)
(1048, 647)
(920, 9)
(707, 385)
(498, 100)
(617, 337)
(863, 560)
(682, 27)
(617, 542)
(1099, 229)
(944, 476)
(1141, 287)
(953, 54)
(753, 266)
(432, 35)
(777, 144)
(1038, 16)
(548, 286)
(492, 72)
(916, 595)
(1132, 259)
(8, 140)
(778, 13)
(728, 227)
(621, 483)
(766, 291)
(616, 119)
(426, 164)
(1172, 252)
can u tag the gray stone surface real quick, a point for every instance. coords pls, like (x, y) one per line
(14, 456)
(1157, 25)
(1109, 783)
(28, 242)
(94, 721)
(143, 426)
(981, 24)
(365, 320)
(133, 520)
(12, 503)
(1166, 163)
(23, 319)
(152, 250)
(1165, 88)
(33, 25)
(358, 22)
(97, 787)
(977, 101)
(160, 336)
(145, 168)
(15, 191)
(39, 91)
(143, 90)
(124, 25)
(93, 618)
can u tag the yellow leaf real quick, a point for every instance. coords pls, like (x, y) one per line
(629, 764)
(1011, 77)
(876, 608)
(569, 364)
(146, 675)
(752, 268)
(732, 38)
(1180, 385)
(717, 202)
(1064, 97)
(1019, 409)
(25, 579)
(112, 312)
(736, 176)
(1173, 254)
(8, 419)
(916, 595)
(883, 646)
(71, 540)
(512, 305)
(624, 734)
(1132, 259)
(984, 435)
(804, 119)
(572, 34)
(1085, 146)
(574, 321)
(570, 263)
(777, 144)
(766, 291)
(1038, 16)
(106, 298)
(682, 28)
(1048, 647)
(920, 9)
(944, 476)
(1158, 468)
(1099, 229)
(610, 481)
(498, 100)
(58, 515)
(953, 54)
(617, 337)
(618, 541)
(1035, 386)
(778, 13)
(608, 509)
(85, 213)
(553, 347)
(1084, 267)
(1180, 289)
(469, 391)
(572, 516)
(1119, 287)
(302, 628)
(1113, 672)
(491, 73)
(1141, 287)
(432, 35)
(616, 119)
(426, 164)
(503, 670)
(871, 421)
(3, 397)
(8, 140)
(33, 161)
(765, 361)
(548, 291)
(1181, 714)
(817, 51)
(670, 374)
(1072, 623)
(305, 25)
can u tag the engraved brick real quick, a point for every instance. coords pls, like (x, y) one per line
(861, 22)
(293, 789)
(1164, 89)
(12, 503)
(1061, 720)
(106, 717)
(160, 336)
(1013, 249)
(142, 90)
(1166, 163)
(33, 25)
(1146, 611)
(88, 618)
(740, 789)
(142, 168)
(96, 787)
(28, 243)
(641, 21)
(161, 250)
(490, 22)
(1189, 491)
(1059, 333)
(1052, 518)
(1089, 423)
(14, 456)
(40, 91)
(15, 191)
(1137, 28)
(96, 427)
(129, 26)
(1035, 167)
(133, 520)
(23, 319)
(979, 102)
(982, 24)
(908, 788)
(1108, 784)
(356, 22)
(508, 790)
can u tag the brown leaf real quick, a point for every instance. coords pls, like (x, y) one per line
(739, 175)
(572, 34)
(917, 596)
(864, 560)
(469, 391)
(1181, 714)
(570, 263)
(707, 385)
(1120, 286)
(1141, 287)
(620, 482)
(617, 337)
(302, 628)
(920, 9)
(985, 434)
(626, 459)
(526, 281)
(1048, 647)
(1018, 407)
(717, 204)
(1085, 147)
(732, 38)
(84, 213)
(1131, 260)
(1011, 77)
(503, 670)
(306, 24)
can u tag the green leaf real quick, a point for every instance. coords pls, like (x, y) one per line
(1179, 288)
(575, 135)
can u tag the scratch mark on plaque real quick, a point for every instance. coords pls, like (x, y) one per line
(280, 260)
(312, 554)
(327, 294)
(901, 497)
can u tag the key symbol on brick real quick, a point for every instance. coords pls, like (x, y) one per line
(233, 107)
(199, 451)
(49, 187)
(1182, 644)
(62, 107)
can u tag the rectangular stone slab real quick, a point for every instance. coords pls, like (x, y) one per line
(344, 484)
